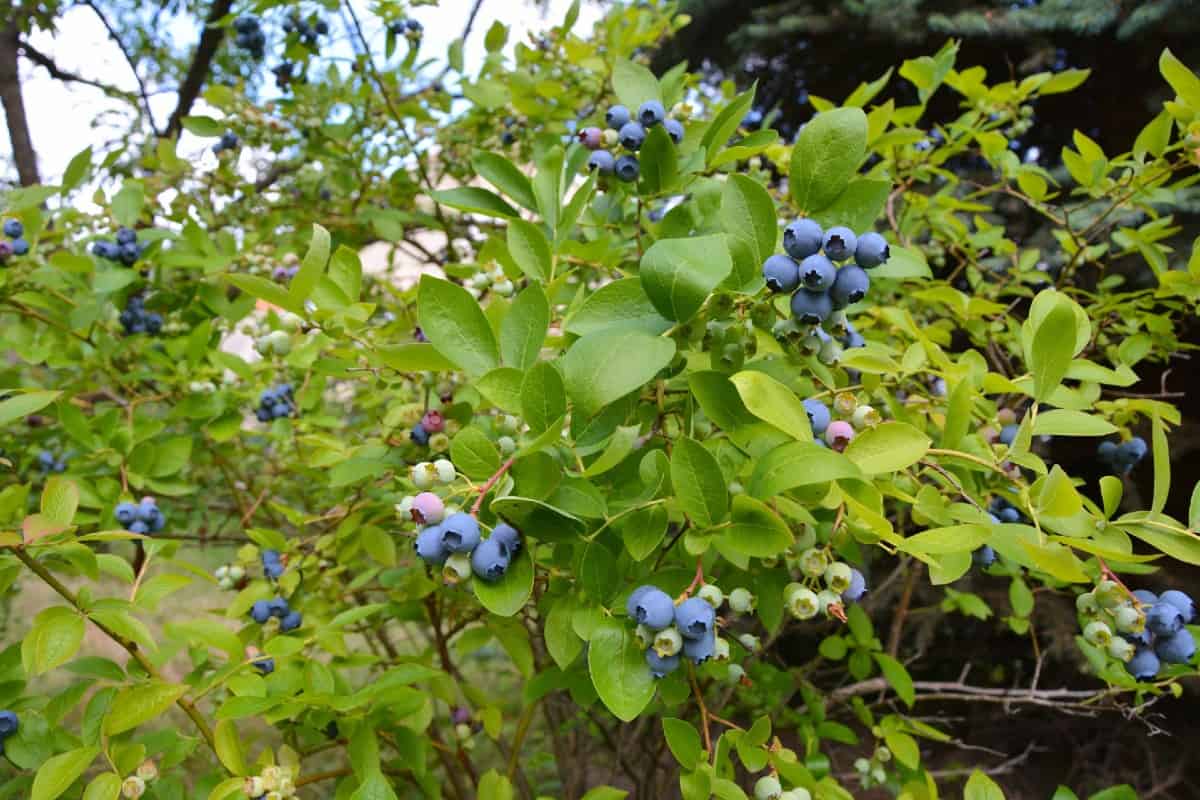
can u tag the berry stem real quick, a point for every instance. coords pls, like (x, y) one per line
(483, 490)
(696, 581)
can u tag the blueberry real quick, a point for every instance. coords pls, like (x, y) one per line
(674, 129)
(128, 253)
(265, 665)
(850, 286)
(154, 322)
(632, 135)
(651, 113)
(811, 307)
(490, 560)
(1164, 619)
(419, 435)
(13, 229)
(247, 23)
(260, 612)
(694, 618)
(857, 588)
(429, 545)
(1107, 452)
(1181, 601)
(126, 236)
(138, 527)
(591, 138)
(8, 724)
(652, 608)
(291, 621)
(125, 513)
(818, 415)
(508, 536)
(617, 117)
(263, 415)
(278, 607)
(817, 273)
(20, 247)
(1132, 451)
(1010, 515)
(603, 162)
(871, 250)
(6, 249)
(983, 556)
(144, 511)
(428, 508)
(1147, 598)
(1144, 665)
(661, 667)
(840, 243)
(701, 649)
(1008, 434)
(1178, 648)
(628, 168)
(803, 238)
(460, 533)
(781, 273)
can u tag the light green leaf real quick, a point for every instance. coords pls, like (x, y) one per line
(523, 328)
(622, 303)
(1182, 80)
(659, 162)
(105, 786)
(1053, 348)
(699, 484)
(474, 454)
(508, 595)
(1162, 465)
(502, 388)
(679, 274)
(898, 677)
(543, 397)
(857, 207)
(53, 640)
(798, 464)
(19, 406)
(633, 84)
(594, 377)
(1064, 422)
(456, 326)
(755, 530)
(57, 774)
(530, 248)
(505, 176)
(312, 267)
(618, 670)
(229, 746)
(138, 704)
(60, 500)
(683, 740)
(981, 787)
(826, 154)
(771, 401)
(889, 447)
(475, 200)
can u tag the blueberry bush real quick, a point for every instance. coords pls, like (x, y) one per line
(539, 430)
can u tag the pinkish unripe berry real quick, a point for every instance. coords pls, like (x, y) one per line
(839, 434)
(428, 509)
(433, 422)
(591, 138)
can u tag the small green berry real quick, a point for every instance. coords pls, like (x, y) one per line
(768, 787)
(1086, 604)
(1120, 649)
(838, 576)
(741, 601)
(1098, 633)
(813, 562)
(711, 594)
(668, 642)
(801, 601)
(1109, 595)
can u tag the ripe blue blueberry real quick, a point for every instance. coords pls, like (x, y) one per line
(983, 556)
(1132, 451)
(126, 236)
(429, 547)
(20, 247)
(1144, 665)
(651, 113)
(419, 435)
(840, 243)
(1008, 434)
(8, 724)
(652, 607)
(490, 560)
(603, 162)
(272, 565)
(1180, 600)
(617, 117)
(700, 649)
(661, 667)
(1147, 598)
(278, 607)
(781, 273)
(802, 239)
(1107, 452)
(1164, 619)
(125, 513)
(628, 169)
(811, 307)
(871, 250)
(818, 415)
(674, 129)
(632, 135)
(1010, 515)
(138, 527)
(850, 286)
(260, 612)
(817, 273)
(1178, 648)
(694, 618)
(13, 228)
(460, 533)
(508, 536)
(857, 587)
(265, 665)
(291, 621)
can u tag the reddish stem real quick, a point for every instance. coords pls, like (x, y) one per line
(487, 487)
(696, 581)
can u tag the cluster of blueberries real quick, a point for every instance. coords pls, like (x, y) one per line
(689, 628)
(275, 403)
(999, 511)
(263, 610)
(8, 726)
(124, 249)
(835, 434)
(272, 564)
(228, 141)
(308, 33)
(431, 423)
(283, 274)
(144, 517)
(48, 462)
(406, 27)
(1149, 628)
(249, 35)
(629, 133)
(229, 576)
(818, 286)
(273, 783)
(768, 787)
(15, 245)
(456, 544)
(1122, 458)
(843, 584)
(428, 473)
(285, 73)
(135, 319)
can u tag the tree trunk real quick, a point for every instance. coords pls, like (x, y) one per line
(201, 65)
(24, 155)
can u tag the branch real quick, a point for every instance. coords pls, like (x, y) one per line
(956, 690)
(24, 156)
(58, 73)
(112, 34)
(206, 50)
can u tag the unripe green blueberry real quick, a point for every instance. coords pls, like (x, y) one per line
(1086, 604)
(147, 770)
(801, 601)
(742, 601)
(711, 594)
(1129, 619)
(507, 423)
(749, 641)
(845, 403)
(644, 636)
(424, 475)
(1109, 594)
(883, 754)
(736, 488)
(221, 572)
(865, 417)
(507, 445)
(796, 794)
(720, 650)
(862, 765)
(225, 583)
(1121, 649)
(1098, 633)
(444, 470)
(271, 775)
(830, 352)
(827, 599)
(462, 731)
(133, 787)
(768, 787)
(668, 642)
(439, 442)
(736, 673)
(770, 562)
(837, 577)
(813, 562)
(503, 288)
(879, 775)
(457, 568)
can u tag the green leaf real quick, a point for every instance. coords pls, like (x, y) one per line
(57, 774)
(530, 248)
(724, 123)
(622, 303)
(798, 464)
(903, 263)
(53, 640)
(699, 483)
(267, 290)
(524, 327)
(201, 126)
(1182, 80)
(502, 388)
(543, 397)
(719, 399)
(128, 202)
(659, 162)
(1162, 465)
(981, 787)
(474, 454)
(505, 176)
(563, 644)
(683, 740)
(619, 446)
(1053, 348)
(889, 447)
(538, 519)
(60, 500)
(105, 786)
(618, 670)
(138, 704)
(594, 378)
(633, 84)
(826, 155)
(679, 274)
(456, 326)
(413, 357)
(898, 677)
(312, 267)
(755, 530)
(950, 539)
(1064, 422)
(20, 406)
(1178, 545)
(771, 401)
(228, 745)
(857, 207)
(748, 212)
(508, 595)
(473, 199)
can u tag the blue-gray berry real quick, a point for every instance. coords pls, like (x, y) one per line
(803, 238)
(840, 243)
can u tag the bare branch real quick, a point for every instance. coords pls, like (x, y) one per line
(112, 34)
(202, 60)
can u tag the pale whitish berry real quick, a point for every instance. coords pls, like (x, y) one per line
(736, 673)
(225, 583)
(1120, 649)
(1086, 604)
(236, 573)
(796, 794)
(271, 775)
(750, 642)
(865, 417)
(768, 787)
(742, 601)
(826, 599)
(813, 562)
(462, 731)
(1129, 620)
(445, 470)
(133, 787)
(1098, 633)
(721, 650)
(645, 637)
(883, 754)
(838, 576)
(1109, 595)
(221, 572)
(801, 602)
(711, 594)
(845, 403)
(508, 424)
(507, 445)
(424, 475)
(879, 775)
(457, 568)
(504, 288)
(147, 770)
(667, 642)
(253, 787)
(862, 765)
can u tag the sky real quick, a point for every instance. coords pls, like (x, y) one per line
(61, 115)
